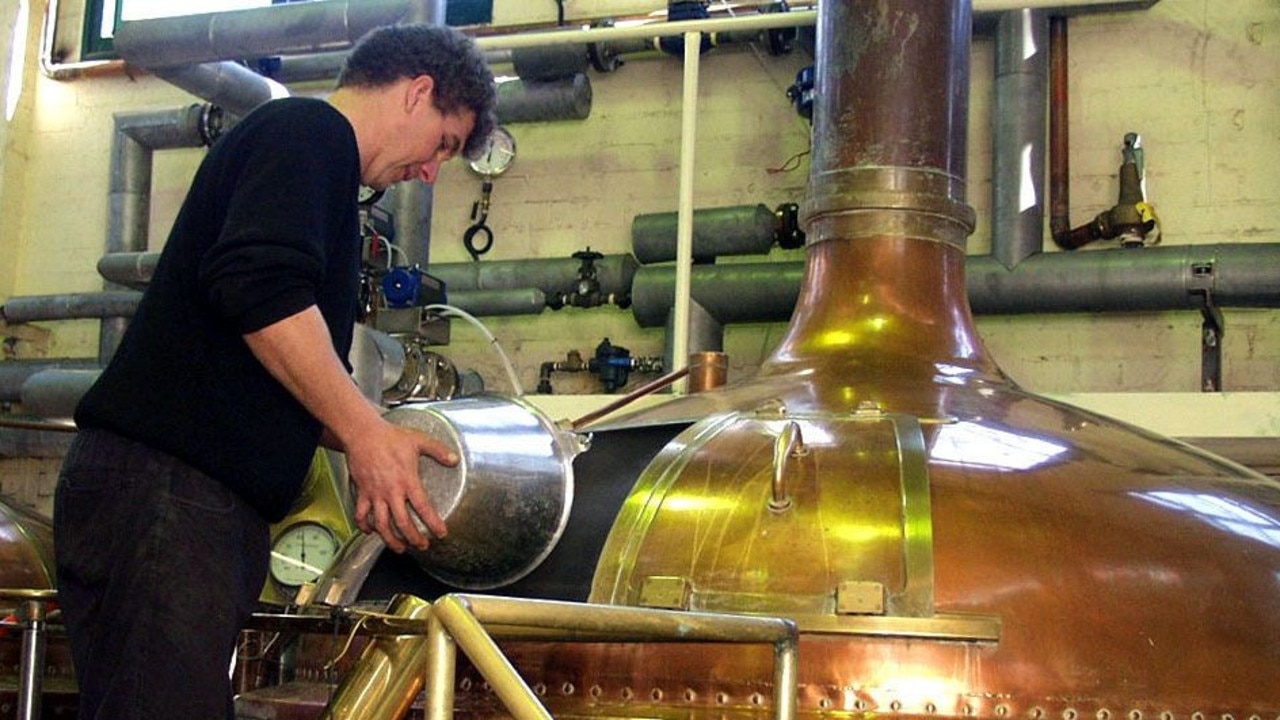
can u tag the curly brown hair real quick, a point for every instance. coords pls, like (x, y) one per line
(462, 77)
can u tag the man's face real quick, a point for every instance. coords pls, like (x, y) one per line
(428, 138)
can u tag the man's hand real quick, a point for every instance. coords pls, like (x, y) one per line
(382, 457)
(383, 462)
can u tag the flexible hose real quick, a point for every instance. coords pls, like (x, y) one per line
(506, 362)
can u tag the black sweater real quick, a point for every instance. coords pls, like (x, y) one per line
(269, 227)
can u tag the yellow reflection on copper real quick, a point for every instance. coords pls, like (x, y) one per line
(835, 338)
(696, 503)
(863, 532)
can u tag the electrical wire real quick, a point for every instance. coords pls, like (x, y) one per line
(450, 310)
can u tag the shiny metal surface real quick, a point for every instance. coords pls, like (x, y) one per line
(707, 370)
(508, 499)
(26, 549)
(388, 676)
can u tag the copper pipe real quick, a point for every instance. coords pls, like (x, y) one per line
(707, 370)
(1059, 132)
(652, 386)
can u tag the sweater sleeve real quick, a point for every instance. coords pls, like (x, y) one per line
(284, 203)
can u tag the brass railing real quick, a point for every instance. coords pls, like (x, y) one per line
(415, 647)
(416, 636)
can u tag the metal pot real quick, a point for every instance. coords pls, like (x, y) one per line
(508, 499)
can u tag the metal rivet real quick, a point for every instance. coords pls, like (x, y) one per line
(930, 708)
(825, 703)
(690, 695)
(540, 689)
(722, 698)
(596, 691)
(464, 684)
(567, 688)
(968, 710)
(1166, 715)
(627, 693)
(1104, 714)
(1135, 715)
(859, 705)
(1197, 716)
(757, 699)
(655, 694)
(895, 706)
(1001, 710)
(1069, 714)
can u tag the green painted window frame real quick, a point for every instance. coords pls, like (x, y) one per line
(94, 45)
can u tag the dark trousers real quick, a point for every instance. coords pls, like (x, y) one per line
(159, 566)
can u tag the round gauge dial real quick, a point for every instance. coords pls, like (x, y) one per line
(499, 152)
(301, 553)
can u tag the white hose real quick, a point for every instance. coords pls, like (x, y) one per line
(506, 362)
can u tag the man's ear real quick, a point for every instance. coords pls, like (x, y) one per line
(420, 90)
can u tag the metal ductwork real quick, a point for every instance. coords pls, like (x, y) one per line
(1166, 277)
(288, 29)
(136, 136)
(227, 85)
(1018, 128)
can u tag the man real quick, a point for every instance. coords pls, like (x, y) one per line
(200, 431)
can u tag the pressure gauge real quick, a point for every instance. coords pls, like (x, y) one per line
(301, 553)
(499, 152)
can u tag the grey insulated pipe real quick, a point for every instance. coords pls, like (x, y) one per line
(36, 308)
(494, 287)
(733, 230)
(289, 29)
(1019, 135)
(736, 293)
(15, 373)
(53, 394)
(136, 136)
(228, 85)
(495, 303)
(523, 101)
(553, 276)
(1123, 280)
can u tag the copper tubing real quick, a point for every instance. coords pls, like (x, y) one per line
(707, 370)
(1059, 132)
(630, 397)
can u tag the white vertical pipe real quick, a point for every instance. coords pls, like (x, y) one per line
(684, 218)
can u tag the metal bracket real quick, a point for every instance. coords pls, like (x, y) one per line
(1212, 328)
